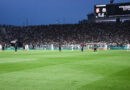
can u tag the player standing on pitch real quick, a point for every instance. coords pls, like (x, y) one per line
(95, 48)
(82, 47)
(3, 47)
(59, 47)
(15, 46)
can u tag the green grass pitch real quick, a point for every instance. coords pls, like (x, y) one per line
(66, 70)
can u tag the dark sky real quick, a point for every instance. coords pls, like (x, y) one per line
(35, 12)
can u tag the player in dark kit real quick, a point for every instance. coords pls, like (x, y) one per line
(82, 47)
(3, 47)
(95, 48)
(33, 46)
(16, 47)
(59, 47)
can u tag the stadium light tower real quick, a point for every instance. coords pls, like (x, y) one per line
(111, 1)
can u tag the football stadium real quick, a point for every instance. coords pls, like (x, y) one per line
(92, 54)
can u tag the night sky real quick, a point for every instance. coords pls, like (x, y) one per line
(36, 12)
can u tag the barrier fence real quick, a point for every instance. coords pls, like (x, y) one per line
(67, 48)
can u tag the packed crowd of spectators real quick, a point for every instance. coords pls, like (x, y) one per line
(67, 33)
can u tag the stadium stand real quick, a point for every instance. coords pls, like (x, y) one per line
(110, 33)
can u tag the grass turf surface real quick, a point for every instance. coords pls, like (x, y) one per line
(68, 70)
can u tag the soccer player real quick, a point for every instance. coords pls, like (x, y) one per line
(72, 47)
(26, 47)
(52, 47)
(95, 48)
(3, 47)
(59, 47)
(105, 47)
(82, 47)
(33, 47)
(16, 47)
(23, 47)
